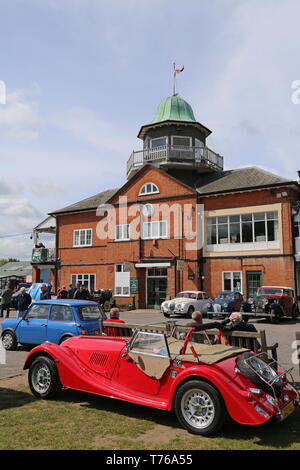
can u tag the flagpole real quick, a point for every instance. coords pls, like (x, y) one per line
(174, 78)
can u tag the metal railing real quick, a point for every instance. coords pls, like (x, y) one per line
(175, 154)
(43, 255)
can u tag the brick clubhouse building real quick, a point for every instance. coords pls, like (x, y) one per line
(180, 222)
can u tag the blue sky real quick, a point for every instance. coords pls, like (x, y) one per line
(82, 76)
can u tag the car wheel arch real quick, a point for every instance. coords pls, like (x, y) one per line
(190, 378)
(11, 330)
(34, 356)
(65, 336)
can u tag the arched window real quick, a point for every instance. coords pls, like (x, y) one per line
(148, 188)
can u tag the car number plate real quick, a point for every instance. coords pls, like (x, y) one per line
(287, 410)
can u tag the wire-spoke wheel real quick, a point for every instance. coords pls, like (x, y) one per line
(199, 408)
(43, 378)
(9, 341)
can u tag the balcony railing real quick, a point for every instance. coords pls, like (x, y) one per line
(201, 156)
(43, 255)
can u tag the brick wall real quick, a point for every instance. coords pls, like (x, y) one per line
(104, 254)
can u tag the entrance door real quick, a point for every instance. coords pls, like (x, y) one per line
(45, 275)
(157, 282)
(254, 281)
(157, 291)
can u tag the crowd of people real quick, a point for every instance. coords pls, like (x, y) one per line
(78, 292)
(23, 299)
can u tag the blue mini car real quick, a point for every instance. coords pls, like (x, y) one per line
(225, 302)
(52, 320)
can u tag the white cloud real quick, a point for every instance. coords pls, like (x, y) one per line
(19, 117)
(248, 104)
(18, 208)
(98, 132)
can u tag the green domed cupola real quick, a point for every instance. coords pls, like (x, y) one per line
(175, 141)
(174, 108)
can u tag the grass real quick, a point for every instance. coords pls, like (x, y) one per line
(76, 420)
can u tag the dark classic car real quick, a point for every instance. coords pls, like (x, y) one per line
(275, 302)
(227, 302)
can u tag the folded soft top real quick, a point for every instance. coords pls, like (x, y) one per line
(209, 354)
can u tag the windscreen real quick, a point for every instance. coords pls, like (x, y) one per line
(89, 312)
(269, 291)
(187, 295)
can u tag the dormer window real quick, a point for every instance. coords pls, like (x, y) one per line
(148, 188)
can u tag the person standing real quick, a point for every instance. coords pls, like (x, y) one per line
(76, 291)
(71, 291)
(82, 293)
(6, 301)
(23, 302)
(45, 294)
(63, 293)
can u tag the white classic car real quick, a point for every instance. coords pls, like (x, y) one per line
(185, 303)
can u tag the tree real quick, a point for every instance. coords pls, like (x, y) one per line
(9, 260)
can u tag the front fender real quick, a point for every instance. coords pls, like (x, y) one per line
(72, 372)
(40, 350)
(12, 330)
(238, 408)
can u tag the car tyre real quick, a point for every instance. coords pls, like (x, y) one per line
(190, 311)
(43, 378)
(9, 341)
(64, 338)
(274, 317)
(295, 312)
(167, 315)
(199, 408)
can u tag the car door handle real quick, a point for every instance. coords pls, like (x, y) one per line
(44, 324)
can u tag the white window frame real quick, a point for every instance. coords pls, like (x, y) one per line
(123, 232)
(243, 245)
(157, 138)
(231, 280)
(152, 224)
(82, 275)
(85, 237)
(153, 191)
(121, 281)
(181, 137)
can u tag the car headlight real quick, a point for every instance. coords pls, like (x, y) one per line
(250, 301)
(178, 306)
(225, 305)
(265, 301)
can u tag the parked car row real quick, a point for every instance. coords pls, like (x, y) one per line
(271, 302)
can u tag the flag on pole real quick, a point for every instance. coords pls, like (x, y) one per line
(178, 70)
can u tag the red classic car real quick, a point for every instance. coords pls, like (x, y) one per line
(204, 383)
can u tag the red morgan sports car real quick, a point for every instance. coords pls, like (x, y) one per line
(204, 383)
